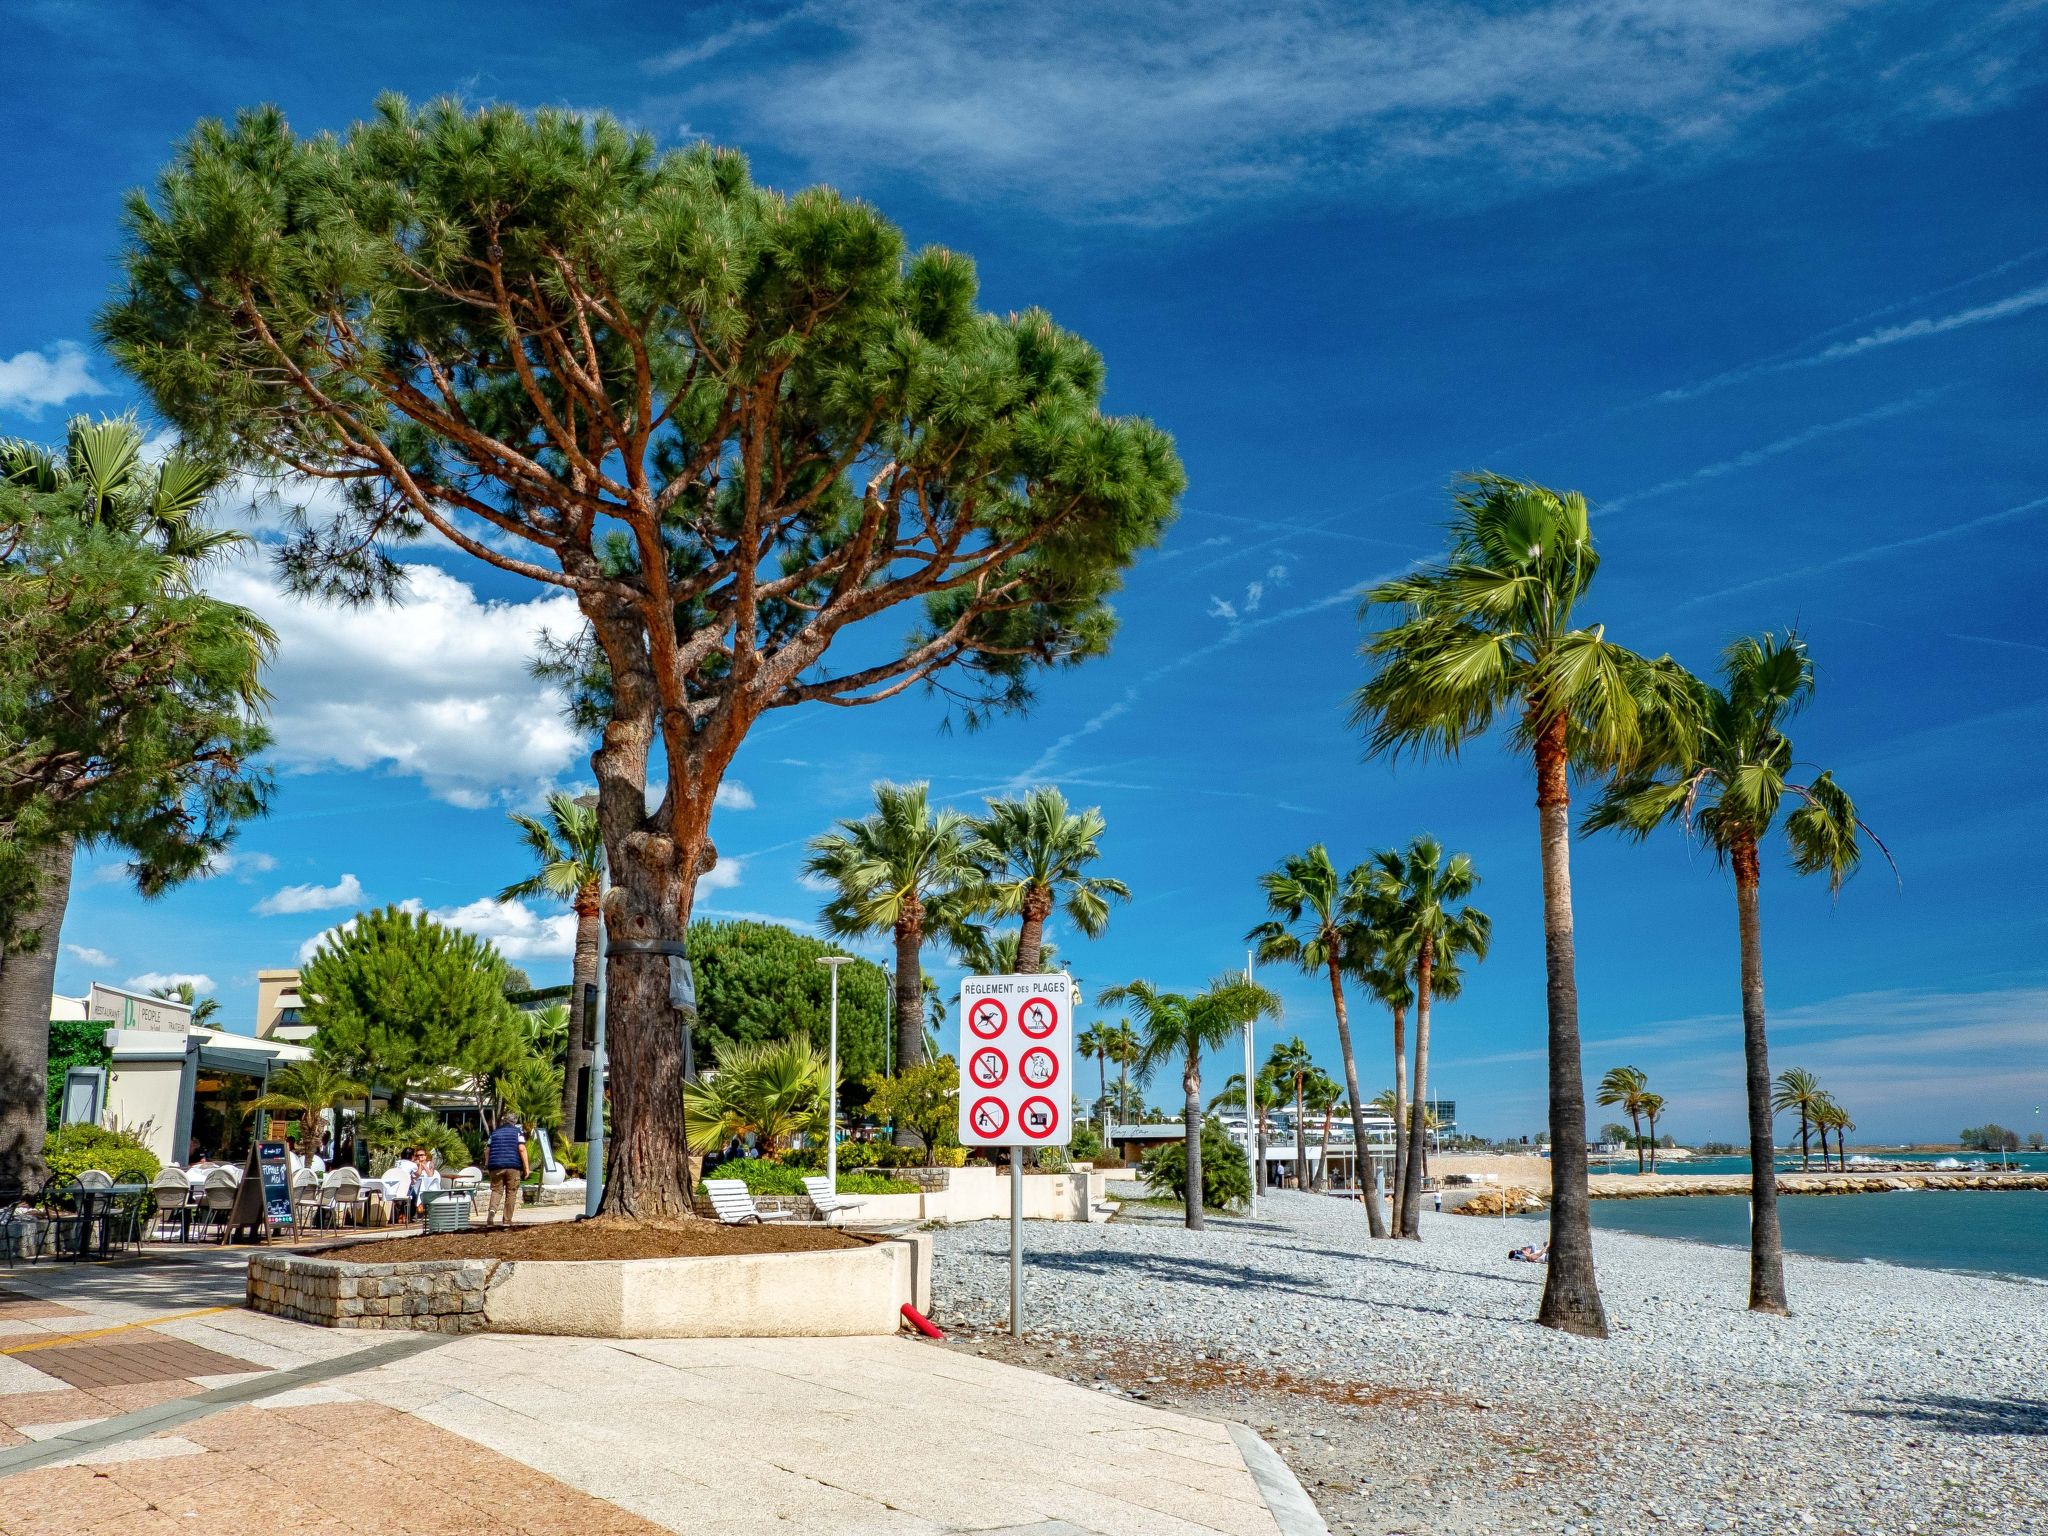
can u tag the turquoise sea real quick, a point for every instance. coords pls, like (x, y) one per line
(2002, 1232)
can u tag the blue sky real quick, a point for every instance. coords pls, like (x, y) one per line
(1768, 282)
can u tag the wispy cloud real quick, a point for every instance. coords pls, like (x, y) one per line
(1164, 109)
(159, 981)
(1873, 552)
(32, 381)
(1771, 450)
(85, 954)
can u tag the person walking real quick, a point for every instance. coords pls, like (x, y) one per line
(505, 1161)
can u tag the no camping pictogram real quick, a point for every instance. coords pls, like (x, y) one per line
(1038, 1017)
(988, 1017)
(990, 1117)
(988, 1067)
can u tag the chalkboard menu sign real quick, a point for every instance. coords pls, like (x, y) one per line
(277, 1192)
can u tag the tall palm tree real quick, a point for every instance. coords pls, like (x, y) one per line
(1429, 921)
(1175, 1024)
(905, 870)
(204, 1009)
(1316, 927)
(1322, 1094)
(1385, 976)
(1798, 1091)
(1726, 786)
(1624, 1087)
(1125, 1049)
(1034, 854)
(1093, 1044)
(568, 855)
(1653, 1106)
(1290, 1062)
(1267, 1096)
(306, 1091)
(1491, 630)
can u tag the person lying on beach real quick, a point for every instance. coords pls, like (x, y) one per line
(1534, 1253)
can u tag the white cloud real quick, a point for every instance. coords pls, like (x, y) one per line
(150, 981)
(722, 876)
(1162, 109)
(733, 796)
(1222, 608)
(345, 892)
(86, 954)
(1254, 594)
(519, 932)
(347, 925)
(435, 686)
(29, 381)
(231, 861)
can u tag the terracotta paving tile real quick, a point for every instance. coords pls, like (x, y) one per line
(144, 1355)
(18, 1308)
(59, 1405)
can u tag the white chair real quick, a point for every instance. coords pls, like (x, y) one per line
(735, 1206)
(827, 1199)
(305, 1199)
(92, 1178)
(173, 1196)
(219, 1196)
(341, 1192)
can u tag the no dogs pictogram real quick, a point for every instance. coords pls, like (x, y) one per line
(1039, 1067)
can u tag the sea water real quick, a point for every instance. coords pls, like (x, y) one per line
(2000, 1232)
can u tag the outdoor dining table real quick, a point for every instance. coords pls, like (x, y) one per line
(95, 1205)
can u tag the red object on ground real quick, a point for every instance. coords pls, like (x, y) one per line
(920, 1322)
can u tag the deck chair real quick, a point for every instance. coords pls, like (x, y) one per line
(735, 1206)
(827, 1199)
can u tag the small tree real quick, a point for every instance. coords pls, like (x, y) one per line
(732, 425)
(922, 1098)
(772, 1090)
(403, 1002)
(762, 981)
(306, 1091)
(568, 855)
(1225, 1174)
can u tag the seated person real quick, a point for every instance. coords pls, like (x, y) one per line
(426, 1178)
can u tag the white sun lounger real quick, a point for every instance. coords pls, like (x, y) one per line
(735, 1207)
(827, 1199)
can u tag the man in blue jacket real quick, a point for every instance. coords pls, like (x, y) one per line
(505, 1161)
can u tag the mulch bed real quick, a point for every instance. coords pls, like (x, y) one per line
(602, 1238)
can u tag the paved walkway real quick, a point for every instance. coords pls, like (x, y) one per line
(140, 1398)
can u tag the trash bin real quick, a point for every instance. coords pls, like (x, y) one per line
(447, 1213)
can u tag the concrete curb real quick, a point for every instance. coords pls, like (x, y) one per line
(1291, 1507)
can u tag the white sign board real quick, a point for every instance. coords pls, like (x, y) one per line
(1016, 1061)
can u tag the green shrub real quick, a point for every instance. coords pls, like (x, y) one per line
(863, 1154)
(810, 1159)
(71, 1149)
(73, 1043)
(874, 1184)
(950, 1157)
(1053, 1160)
(390, 1131)
(574, 1156)
(761, 1176)
(1226, 1172)
(1086, 1145)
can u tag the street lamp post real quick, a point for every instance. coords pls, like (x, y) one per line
(832, 963)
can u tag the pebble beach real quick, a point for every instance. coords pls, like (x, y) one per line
(1408, 1388)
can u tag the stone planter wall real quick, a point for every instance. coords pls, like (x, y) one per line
(431, 1296)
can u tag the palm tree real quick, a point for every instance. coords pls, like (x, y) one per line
(905, 870)
(1423, 897)
(1094, 1042)
(1798, 1090)
(204, 1009)
(1625, 1086)
(1653, 1106)
(1726, 788)
(771, 1090)
(1317, 928)
(1125, 1049)
(1267, 1096)
(305, 1091)
(995, 954)
(1290, 1062)
(1032, 853)
(568, 854)
(1175, 1024)
(1323, 1095)
(1489, 630)
(1830, 1116)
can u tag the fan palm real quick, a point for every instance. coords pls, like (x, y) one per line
(996, 954)
(568, 855)
(1034, 854)
(1316, 928)
(904, 870)
(1267, 1096)
(1174, 1024)
(1727, 787)
(772, 1090)
(1491, 630)
(1832, 1117)
(1289, 1063)
(1624, 1087)
(204, 1009)
(1427, 920)
(305, 1091)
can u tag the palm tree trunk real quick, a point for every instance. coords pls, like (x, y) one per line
(909, 1005)
(582, 981)
(1102, 1082)
(1367, 1170)
(1766, 1241)
(1031, 933)
(1400, 1188)
(1300, 1138)
(1418, 1110)
(1805, 1144)
(1571, 1292)
(25, 981)
(1323, 1162)
(1191, 1081)
(1653, 1143)
(1636, 1121)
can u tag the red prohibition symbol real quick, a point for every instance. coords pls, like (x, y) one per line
(1036, 1117)
(1038, 1018)
(988, 1067)
(1038, 1068)
(987, 1017)
(989, 1117)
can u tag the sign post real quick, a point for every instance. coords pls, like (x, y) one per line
(1017, 1046)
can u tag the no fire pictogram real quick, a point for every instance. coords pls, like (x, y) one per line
(1039, 1017)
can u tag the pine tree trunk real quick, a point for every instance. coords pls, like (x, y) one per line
(582, 975)
(1571, 1292)
(1031, 934)
(909, 1002)
(26, 977)
(1418, 1109)
(1191, 1082)
(1766, 1240)
(1368, 1171)
(1400, 1114)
